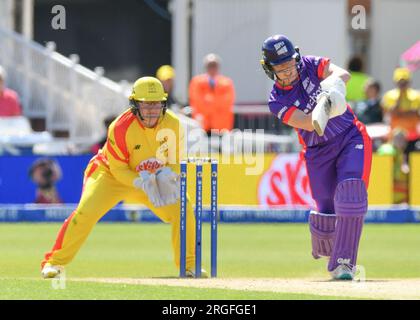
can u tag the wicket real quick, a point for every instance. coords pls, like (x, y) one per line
(198, 162)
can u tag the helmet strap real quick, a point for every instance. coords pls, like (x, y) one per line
(135, 109)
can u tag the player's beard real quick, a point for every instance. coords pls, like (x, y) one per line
(151, 120)
(288, 82)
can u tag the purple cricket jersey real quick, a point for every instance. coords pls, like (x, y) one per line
(302, 96)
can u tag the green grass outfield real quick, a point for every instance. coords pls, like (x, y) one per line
(143, 251)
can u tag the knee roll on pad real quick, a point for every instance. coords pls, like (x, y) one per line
(350, 198)
(322, 227)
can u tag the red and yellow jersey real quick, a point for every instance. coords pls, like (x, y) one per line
(131, 147)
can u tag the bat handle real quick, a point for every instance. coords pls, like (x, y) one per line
(320, 115)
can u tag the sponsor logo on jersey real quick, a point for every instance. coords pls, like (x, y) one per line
(308, 85)
(137, 147)
(359, 146)
(312, 98)
(151, 165)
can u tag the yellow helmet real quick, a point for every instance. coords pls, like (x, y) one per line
(148, 89)
(165, 72)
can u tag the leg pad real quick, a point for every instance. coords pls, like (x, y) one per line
(350, 202)
(322, 227)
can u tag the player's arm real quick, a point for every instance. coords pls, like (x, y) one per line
(291, 115)
(301, 120)
(119, 168)
(333, 70)
(118, 158)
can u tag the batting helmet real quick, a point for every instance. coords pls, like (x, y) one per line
(147, 89)
(276, 50)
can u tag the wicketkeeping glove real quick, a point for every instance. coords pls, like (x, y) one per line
(335, 89)
(147, 182)
(168, 185)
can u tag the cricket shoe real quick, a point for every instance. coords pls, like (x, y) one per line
(343, 272)
(191, 273)
(50, 271)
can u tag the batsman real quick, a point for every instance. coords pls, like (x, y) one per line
(139, 163)
(338, 161)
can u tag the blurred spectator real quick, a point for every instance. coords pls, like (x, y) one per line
(9, 100)
(45, 173)
(395, 147)
(401, 106)
(212, 96)
(356, 84)
(369, 110)
(97, 146)
(166, 75)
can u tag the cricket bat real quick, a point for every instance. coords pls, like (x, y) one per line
(321, 114)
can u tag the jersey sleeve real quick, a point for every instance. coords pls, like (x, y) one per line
(318, 64)
(281, 110)
(118, 155)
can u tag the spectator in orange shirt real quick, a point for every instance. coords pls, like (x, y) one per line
(9, 101)
(212, 96)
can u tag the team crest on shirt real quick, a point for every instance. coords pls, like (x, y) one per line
(151, 165)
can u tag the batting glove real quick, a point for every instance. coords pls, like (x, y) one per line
(335, 89)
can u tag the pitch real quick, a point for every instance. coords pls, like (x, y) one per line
(256, 261)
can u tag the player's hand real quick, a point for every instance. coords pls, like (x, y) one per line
(168, 185)
(147, 182)
(335, 89)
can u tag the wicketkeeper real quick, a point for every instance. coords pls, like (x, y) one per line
(338, 162)
(138, 164)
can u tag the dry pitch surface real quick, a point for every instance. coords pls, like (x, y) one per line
(373, 289)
